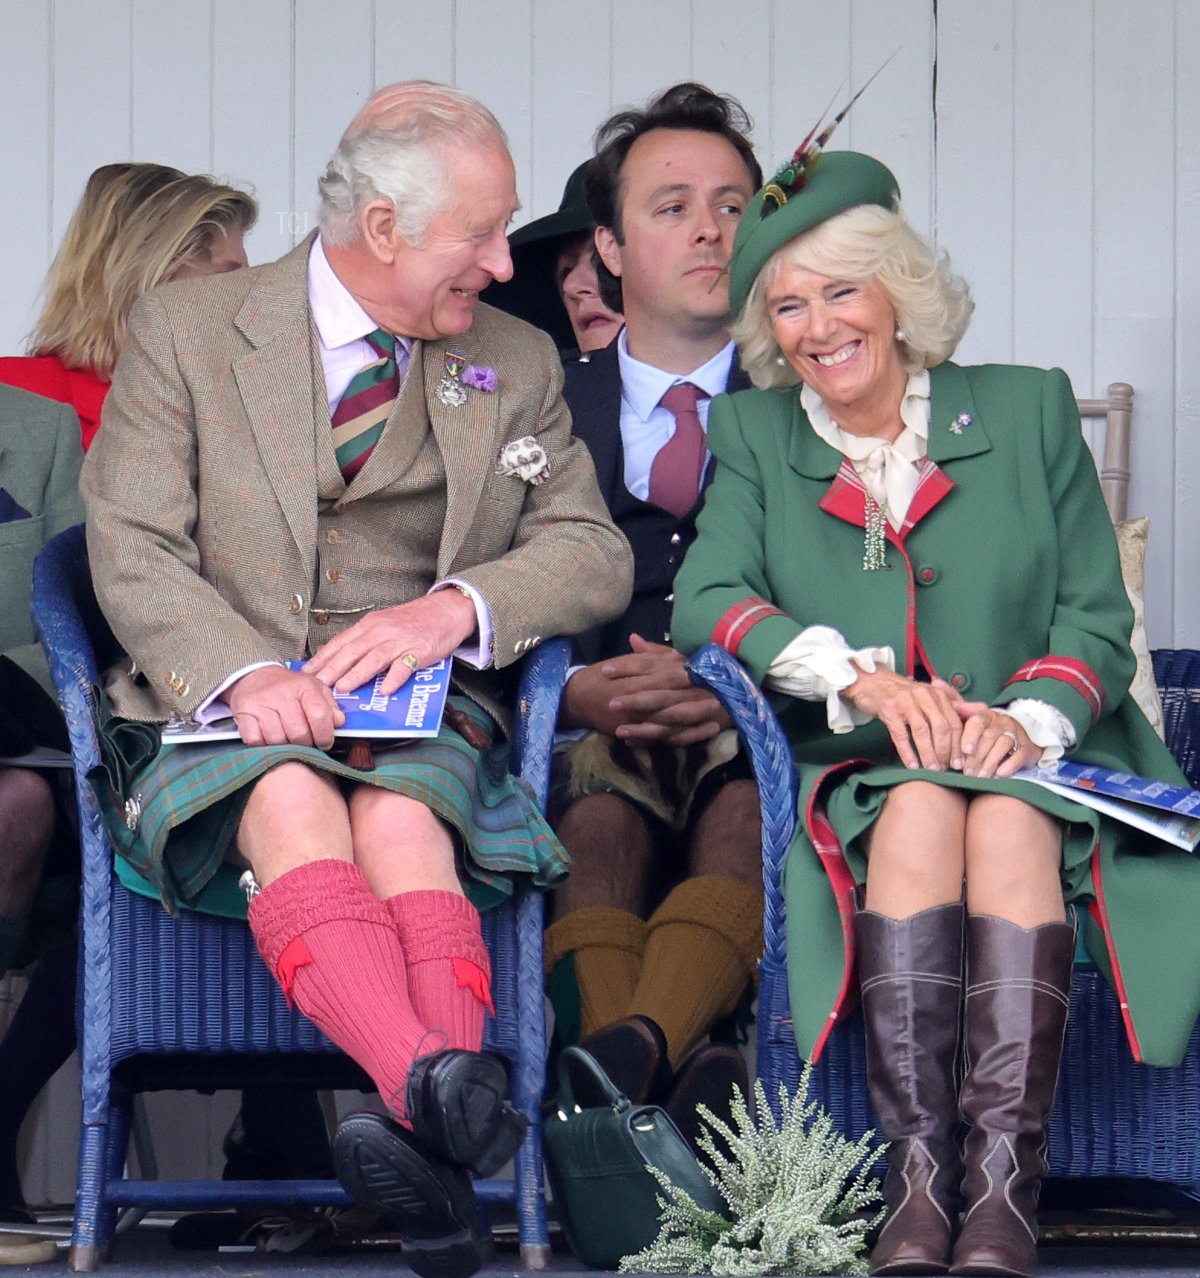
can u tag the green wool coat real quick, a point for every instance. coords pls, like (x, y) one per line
(40, 457)
(1005, 582)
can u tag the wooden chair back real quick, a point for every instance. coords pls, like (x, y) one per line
(1117, 411)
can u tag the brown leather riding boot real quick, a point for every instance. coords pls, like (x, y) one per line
(910, 971)
(1015, 1015)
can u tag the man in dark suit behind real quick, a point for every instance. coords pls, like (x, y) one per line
(662, 915)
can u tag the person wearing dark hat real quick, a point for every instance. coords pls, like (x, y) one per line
(554, 284)
(661, 920)
(919, 555)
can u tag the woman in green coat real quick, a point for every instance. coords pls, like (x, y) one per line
(919, 556)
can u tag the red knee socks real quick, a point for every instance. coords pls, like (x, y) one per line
(449, 971)
(333, 948)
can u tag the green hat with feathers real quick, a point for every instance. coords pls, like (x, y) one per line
(812, 187)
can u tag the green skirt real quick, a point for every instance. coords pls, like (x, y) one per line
(173, 816)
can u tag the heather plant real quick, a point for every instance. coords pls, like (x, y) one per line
(800, 1198)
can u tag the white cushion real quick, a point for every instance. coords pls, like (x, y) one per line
(1132, 535)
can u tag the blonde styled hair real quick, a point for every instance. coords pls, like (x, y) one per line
(134, 227)
(933, 306)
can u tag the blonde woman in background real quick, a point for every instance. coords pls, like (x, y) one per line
(136, 226)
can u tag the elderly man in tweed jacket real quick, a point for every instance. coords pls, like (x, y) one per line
(240, 516)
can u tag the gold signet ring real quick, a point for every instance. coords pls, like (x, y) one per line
(409, 659)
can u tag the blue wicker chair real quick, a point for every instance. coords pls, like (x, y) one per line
(1112, 1116)
(172, 1003)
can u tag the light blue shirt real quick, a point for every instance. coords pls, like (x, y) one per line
(645, 424)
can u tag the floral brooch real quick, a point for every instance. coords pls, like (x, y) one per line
(960, 422)
(526, 459)
(451, 389)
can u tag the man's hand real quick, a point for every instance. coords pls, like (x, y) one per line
(921, 718)
(643, 697)
(276, 706)
(398, 640)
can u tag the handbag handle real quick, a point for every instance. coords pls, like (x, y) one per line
(581, 1058)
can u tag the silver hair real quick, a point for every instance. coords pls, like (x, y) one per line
(395, 149)
(933, 306)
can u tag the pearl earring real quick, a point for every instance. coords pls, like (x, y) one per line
(901, 335)
(780, 360)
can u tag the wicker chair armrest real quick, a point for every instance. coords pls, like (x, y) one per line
(543, 677)
(774, 771)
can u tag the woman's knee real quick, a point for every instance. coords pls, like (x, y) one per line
(919, 835)
(1008, 837)
(922, 804)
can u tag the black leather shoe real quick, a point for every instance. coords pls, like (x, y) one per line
(633, 1053)
(429, 1204)
(455, 1102)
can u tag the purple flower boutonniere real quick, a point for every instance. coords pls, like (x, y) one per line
(451, 390)
(480, 377)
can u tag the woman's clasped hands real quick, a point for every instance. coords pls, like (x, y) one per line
(933, 726)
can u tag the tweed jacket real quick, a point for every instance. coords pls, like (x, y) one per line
(659, 539)
(1004, 580)
(40, 458)
(215, 466)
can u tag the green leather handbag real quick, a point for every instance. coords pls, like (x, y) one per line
(598, 1157)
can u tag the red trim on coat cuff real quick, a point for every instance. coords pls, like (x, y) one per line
(1075, 674)
(739, 620)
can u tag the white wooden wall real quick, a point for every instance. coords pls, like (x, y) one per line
(1048, 144)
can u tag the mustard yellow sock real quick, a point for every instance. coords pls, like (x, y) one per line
(702, 945)
(607, 945)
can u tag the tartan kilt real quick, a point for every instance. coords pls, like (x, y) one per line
(178, 813)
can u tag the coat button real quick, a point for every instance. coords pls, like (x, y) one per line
(927, 574)
(321, 616)
(334, 575)
(295, 605)
(675, 539)
(960, 680)
(670, 598)
(666, 636)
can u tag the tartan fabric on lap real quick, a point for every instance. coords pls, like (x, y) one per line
(189, 800)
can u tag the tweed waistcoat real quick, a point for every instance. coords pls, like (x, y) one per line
(347, 580)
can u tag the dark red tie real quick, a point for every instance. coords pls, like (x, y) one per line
(679, 463)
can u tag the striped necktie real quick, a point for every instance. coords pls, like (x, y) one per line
(366, 404)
